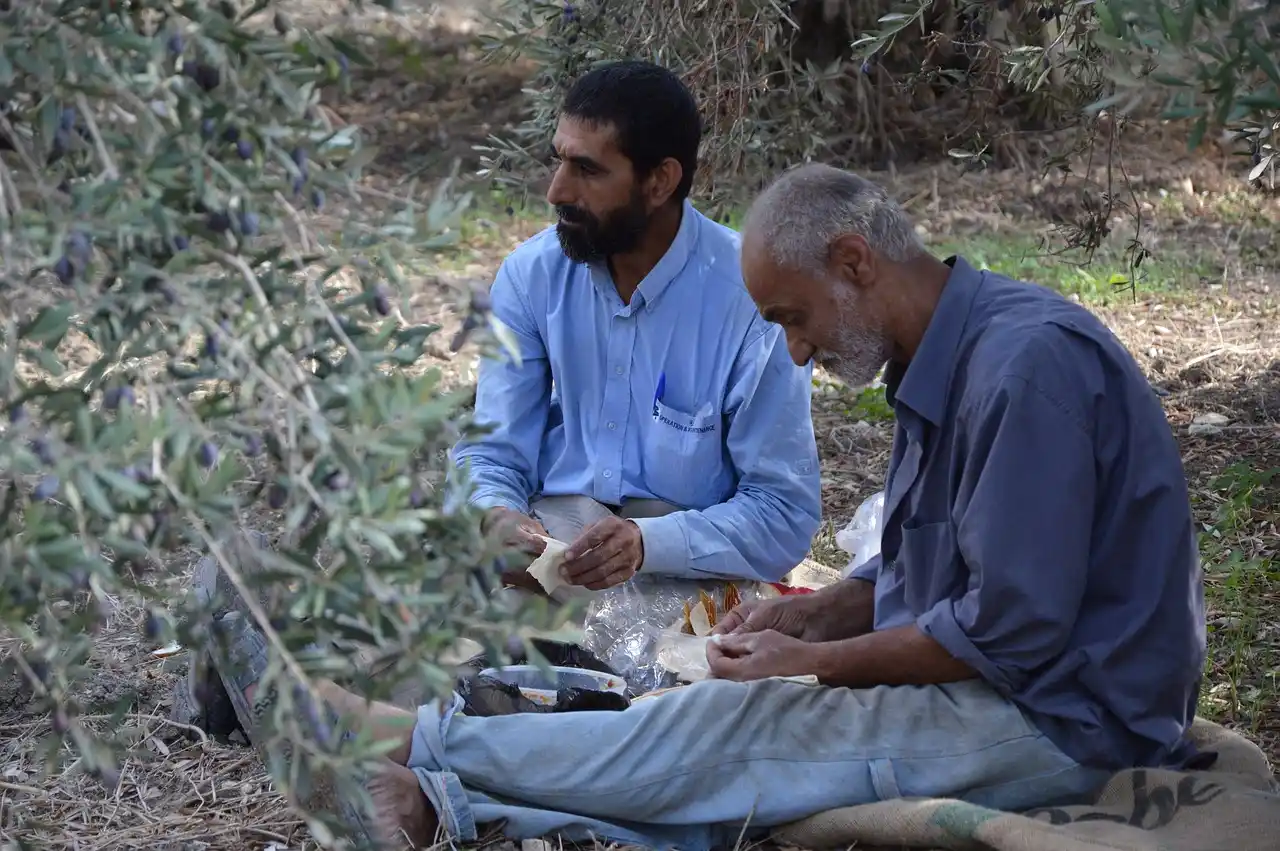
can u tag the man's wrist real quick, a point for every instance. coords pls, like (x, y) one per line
(639, 544)
(828, 661)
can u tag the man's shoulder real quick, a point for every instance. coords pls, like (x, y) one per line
(541, 251)
(1041, 339)
(717, 265)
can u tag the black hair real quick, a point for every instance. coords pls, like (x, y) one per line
(652, 111)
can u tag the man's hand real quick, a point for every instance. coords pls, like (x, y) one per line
(758, 655)
(787, 615)
(607, 553)
(843, 610)
(516, 530)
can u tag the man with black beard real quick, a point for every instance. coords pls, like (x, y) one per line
(654, 421)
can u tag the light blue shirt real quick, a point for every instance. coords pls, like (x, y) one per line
(685, 395)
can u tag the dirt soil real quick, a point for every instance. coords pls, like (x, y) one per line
(1211, 346)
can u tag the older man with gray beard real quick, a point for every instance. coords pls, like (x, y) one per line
(1034, 623)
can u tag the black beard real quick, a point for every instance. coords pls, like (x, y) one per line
(584, 238)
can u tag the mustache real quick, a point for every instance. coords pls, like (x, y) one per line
(571, 214)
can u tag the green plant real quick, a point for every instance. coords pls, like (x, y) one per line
(874, 81)
(183, 356)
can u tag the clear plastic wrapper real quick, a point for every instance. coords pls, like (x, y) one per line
(624, 625)
(861, 537)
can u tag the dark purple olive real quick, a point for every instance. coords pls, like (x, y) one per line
(344, 64)
(231, 134)
(17, 413)
(253, 446)
(207, 454)
(277, 496)
(181, 243)
(249, 223)
(381, 304)
(212, 348)
(175, 44)
(244, 148)
(219, 222)
(46, 489)
(317, 198)
(207, 77)
(64, 269)
(281, 22)
(152, 626)
(114, 397)
(511, 211)
(297, 184)
(417, 498)
(42, 450)
(39, 669)
(337, 480)
(299, 157)
(67, 118)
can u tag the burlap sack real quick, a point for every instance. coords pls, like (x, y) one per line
(1233, 806)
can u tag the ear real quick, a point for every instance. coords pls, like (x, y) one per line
(852, 259)
(661, 183)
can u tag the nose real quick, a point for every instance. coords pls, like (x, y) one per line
(559, 190)
(800, 352)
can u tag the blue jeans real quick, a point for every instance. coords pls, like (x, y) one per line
(693, 768)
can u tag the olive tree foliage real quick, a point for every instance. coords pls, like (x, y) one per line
(874, 82)
(183, 356)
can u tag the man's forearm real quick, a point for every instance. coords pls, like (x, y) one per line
(892, 657)
(840, 611)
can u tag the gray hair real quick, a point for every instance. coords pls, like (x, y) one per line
(806, 209)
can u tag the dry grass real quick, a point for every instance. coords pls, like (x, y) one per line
(1205, 329)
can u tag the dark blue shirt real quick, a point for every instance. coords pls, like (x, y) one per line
(1037, 521)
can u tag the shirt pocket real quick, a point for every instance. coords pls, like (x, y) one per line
(683, 456)
(928, 564)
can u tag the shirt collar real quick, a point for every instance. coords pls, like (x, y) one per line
(668, 267)
(923, 385)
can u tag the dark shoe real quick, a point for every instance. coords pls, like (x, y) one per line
(200, 700)
(240, 661)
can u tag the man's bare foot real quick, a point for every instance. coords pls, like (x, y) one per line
(404, 817)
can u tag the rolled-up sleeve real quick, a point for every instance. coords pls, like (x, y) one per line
(513, 400)
(868, 571)
(1023, 519)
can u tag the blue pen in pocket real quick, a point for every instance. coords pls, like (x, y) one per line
(658, 391)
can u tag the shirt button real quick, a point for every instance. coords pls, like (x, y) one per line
(612, 426)
(608, 474)
(618, 370)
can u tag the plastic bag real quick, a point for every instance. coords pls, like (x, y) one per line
(861, 538)
(684, 655)
(624, 624)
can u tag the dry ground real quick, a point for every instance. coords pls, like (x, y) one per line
(1202, 325)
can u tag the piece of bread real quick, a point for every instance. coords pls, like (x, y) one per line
(546, 569)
